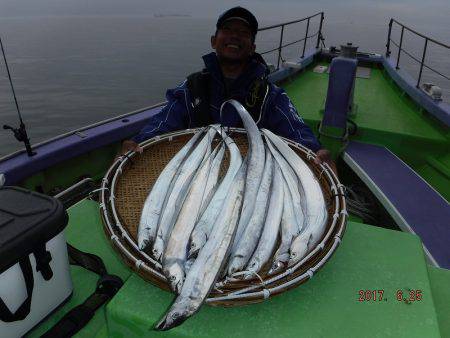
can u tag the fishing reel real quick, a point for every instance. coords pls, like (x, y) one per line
(21, 135)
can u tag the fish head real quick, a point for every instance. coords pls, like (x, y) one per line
(193, 250)
(235, 265)
(253, 267)
(172, 319)
(175, 276)
(142, 243)
(298, 250)
(277, 266)
(197, 242)
(293, 258)
(177, 314)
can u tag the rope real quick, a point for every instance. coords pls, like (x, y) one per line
(358, 205)
(247, 273)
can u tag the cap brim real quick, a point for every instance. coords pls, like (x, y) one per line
(237, 18)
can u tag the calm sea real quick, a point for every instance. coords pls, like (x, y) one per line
(70, 71)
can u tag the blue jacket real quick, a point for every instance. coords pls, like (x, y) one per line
(277, 113)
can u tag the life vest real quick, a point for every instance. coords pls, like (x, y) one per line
(199, 83)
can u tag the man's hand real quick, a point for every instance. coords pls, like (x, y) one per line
(129, 145)
(324, 156)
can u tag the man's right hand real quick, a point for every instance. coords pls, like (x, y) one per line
(129, 145)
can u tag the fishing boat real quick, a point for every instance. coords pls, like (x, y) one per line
(389, 134)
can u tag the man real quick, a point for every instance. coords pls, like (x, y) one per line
(235, 71)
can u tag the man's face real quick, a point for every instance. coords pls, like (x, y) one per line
(233, 41)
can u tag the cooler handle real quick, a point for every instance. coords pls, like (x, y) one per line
(22, 312)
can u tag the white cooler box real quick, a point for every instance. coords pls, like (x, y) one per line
(34, 266)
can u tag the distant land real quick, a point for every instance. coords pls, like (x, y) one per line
(170, 15)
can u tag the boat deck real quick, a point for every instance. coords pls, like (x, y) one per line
(369, 258)
(405, 128)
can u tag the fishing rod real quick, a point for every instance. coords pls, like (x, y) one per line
(21, 132)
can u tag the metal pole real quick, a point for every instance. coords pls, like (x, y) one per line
(306, 38)
(388, 44)
(423, 60)
(400, 48)
(319, 36)
(10, 82)
(279, 47)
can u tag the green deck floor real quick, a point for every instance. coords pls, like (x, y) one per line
(369, 258)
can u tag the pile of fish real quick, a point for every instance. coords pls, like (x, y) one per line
(267, 209)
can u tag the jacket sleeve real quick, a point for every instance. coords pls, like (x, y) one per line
(282, 118)
(175, 115)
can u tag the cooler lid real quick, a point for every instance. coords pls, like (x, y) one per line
(27, 219)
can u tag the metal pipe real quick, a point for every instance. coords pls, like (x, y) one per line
(73, 187)
(419, 34)
(388, 44)
(289, 22)
(422, 62)
(279, 47)
(288, 44)
(399, 48)
(319, 36)
(306, 38)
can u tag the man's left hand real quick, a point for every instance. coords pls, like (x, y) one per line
(324, 156)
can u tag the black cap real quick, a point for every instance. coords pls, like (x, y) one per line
(239, 13)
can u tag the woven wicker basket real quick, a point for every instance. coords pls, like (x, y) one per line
(130, 179)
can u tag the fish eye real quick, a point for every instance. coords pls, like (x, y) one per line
(293, 254)
(175, 315)
(172, 278)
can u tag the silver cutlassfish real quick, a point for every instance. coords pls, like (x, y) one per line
(268, 238)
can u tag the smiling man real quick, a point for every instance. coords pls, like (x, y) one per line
(232, 71)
